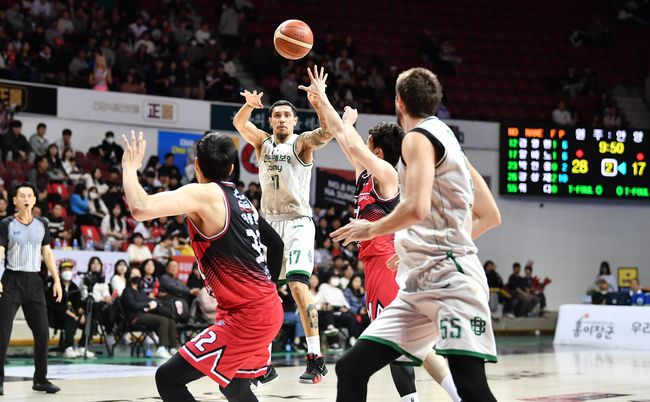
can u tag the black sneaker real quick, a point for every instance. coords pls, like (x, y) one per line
(315, 371)
(46, 386)
(270, 376)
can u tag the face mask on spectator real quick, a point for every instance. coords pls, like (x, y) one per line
(136, 280)
(110, 140)
(335, 281)
(93, 195)
(66, 275)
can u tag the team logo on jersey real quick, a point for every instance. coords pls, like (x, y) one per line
(478, 325)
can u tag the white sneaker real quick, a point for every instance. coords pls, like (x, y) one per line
(331, 330)
(173, 351)
(162, 353)
(80, 353)
(70, 353)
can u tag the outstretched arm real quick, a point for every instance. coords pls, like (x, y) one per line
(242, 123)
(187, 199)
(419, 154)
(485, 212)
(311, 141)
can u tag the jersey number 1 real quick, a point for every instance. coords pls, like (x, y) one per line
(276, 181)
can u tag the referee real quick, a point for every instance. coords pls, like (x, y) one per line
(24, 239)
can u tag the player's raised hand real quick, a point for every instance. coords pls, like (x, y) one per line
(318, 81)
(253, 99)
(133, 150)
(350, 115)
(356, 230)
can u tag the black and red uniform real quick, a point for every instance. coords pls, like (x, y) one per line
(381, 287)
(249, 313)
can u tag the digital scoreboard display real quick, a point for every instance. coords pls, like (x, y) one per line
(574, 162)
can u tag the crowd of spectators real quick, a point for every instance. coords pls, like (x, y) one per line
(584, 101)
(605, 290)
(168, 51)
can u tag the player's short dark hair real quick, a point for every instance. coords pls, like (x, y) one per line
(215, 153)
(420, 91)
(25, 185)
(387, 137)
(283, 103)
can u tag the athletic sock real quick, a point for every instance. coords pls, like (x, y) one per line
(448, 385)
(313, 345)
(411, 397)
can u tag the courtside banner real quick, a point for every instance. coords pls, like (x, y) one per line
(624, 327)
(221, 116)
(181, 144)
(334, 187)
(29, 98)
(138, 110)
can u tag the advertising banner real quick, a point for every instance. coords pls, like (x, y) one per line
(334, 187)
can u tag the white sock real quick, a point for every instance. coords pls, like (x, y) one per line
(313, 345)
(411, 397)
(448, 385)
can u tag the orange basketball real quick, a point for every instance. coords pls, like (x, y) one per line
(293, 39)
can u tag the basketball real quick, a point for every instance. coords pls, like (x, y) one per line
(293, 39)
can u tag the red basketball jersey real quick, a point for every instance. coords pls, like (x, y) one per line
(232, 262)
(371, 206)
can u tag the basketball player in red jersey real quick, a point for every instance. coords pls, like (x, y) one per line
(226, 238)
(377, 194)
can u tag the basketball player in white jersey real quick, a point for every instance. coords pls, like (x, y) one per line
(443, 297)
(285, 164)
(377, 195)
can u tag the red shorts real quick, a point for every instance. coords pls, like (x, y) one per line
(381, 287)
(237, 345)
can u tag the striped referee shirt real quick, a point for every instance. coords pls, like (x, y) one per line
(23, 243)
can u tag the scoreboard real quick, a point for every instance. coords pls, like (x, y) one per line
(562, 162)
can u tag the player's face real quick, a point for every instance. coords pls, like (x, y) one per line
(283, 121)
(377, 151)
(24, 199)
(398, 112)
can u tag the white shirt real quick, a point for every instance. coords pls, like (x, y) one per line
(562, 117)
(328, 294)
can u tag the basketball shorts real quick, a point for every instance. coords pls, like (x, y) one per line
(381, 287)
(445, 306)
(298, 235)
(237, 345)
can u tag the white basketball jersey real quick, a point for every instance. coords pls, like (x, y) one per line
(448, 228)
(285, 181)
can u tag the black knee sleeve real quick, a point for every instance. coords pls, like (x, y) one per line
(172, 377)
(470, 379)
(239, 390)
(404, 379)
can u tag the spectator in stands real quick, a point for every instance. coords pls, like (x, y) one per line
(95, 181)
(131, 85)
(69, 165)
(195, 280)
(140, 309)
(96, 207)
(289, 89)
(42, 9)
(3, 208)
(355, 294)
(229, 28)
(534, 287)
(605, 272)
(38, 142)
(113, 228)
(164, 250)
(636, 294)
(39, 177)
(207, 305)
(168, 167)
(118, 281)
(95, 281)
(561, 115)
(178, 227)
(79, 206)
(495, 283)
(602, 295)
(611, 119)
(346, 276)
(101, 77)
(16, 147)
(57, 224)
(55, 170)
(65, 142)
(68, 314)
(322, 231)
(173, 288)
(522, 301)
(138, 251)
(112, 152)
(150, 283)
(78, 68)
(334, 309)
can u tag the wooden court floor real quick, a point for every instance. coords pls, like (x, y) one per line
(560, 375)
